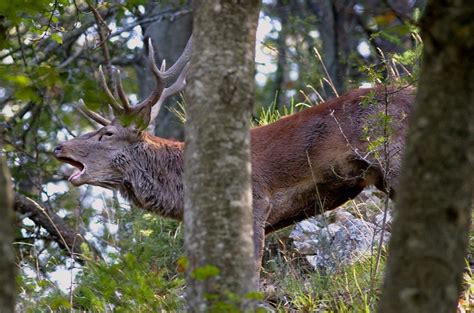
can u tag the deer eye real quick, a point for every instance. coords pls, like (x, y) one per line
(107, 134)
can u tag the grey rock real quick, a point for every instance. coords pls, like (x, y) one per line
(334, 240)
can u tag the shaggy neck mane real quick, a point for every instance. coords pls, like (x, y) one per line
(153, 175)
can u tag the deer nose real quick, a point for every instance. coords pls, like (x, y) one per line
(58, 149)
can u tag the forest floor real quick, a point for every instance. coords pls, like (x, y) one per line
(291, 285)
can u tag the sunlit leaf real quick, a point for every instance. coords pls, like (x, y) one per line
(57, 37)
(205, 272)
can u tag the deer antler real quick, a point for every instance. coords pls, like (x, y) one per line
(180, 68)
(92, 115)
(175, 88)
(147, 110)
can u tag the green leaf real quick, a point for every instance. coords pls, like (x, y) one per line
(20, 80)
(205, 272)
(255, 295)
(182, 264)
(27, 94)
(57, 37)
(60, 302)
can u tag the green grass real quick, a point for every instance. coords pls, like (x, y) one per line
(352, 289)
(292, 285)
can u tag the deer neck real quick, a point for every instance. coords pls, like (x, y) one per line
(153, 175)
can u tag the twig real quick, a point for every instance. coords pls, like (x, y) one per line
(103, 37)
(71, 59)
(386, 182)
(151, 19)
(50, 19)
(66, 238)
(21, 46)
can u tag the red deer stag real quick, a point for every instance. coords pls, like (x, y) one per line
(303, 164)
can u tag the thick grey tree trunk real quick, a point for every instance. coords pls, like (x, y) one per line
(429, 239)
(218, 211)
(7, 257)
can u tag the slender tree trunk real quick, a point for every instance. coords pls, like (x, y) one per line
(281, 74)
(7, 257)
(218, 211)
(429, 239)
(336, 25)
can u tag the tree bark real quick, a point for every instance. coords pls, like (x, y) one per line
(218, 212)
(281, 74)
(337, 22)
(429, 239)
(7, 257)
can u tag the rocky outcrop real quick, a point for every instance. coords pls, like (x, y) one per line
(337, 239)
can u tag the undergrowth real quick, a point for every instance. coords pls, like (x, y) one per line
(143, 276)
(350, 290)
(292, 285)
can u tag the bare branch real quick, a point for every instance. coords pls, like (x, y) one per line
(73, 57)
(67, 238)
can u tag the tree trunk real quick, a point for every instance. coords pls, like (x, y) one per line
(337, 23)
(7, 258)
(218, 211)
(429, 241)
(281, 74)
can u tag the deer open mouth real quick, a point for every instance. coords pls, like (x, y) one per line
(79, 165)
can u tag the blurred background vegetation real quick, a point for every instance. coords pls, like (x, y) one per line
(86, 248)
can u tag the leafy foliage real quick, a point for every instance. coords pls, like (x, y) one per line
(50, 53)
(141, 275)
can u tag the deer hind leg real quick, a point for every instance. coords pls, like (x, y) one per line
(261, 211)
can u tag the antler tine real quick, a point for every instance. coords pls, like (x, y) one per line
(150, 107)
(163, 65)
(176, 87)
(113, 102)
(161, 77)
(160, 83)
(151, 60)
(181, 62)
(121, 92)
(92, 115)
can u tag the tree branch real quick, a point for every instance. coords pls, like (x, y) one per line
(67, 238)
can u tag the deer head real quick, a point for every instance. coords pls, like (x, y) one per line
(99, 154)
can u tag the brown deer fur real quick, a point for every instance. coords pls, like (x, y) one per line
(302, 165)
